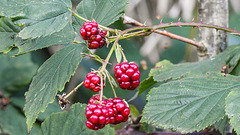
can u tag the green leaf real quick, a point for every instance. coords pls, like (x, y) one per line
(230, 57)
(13, 122)
(8, 32)
(159, 68)
(147, 128)
(16, 72)
(118, 54)
(133, 111)
(72, 122)
(190, 104)
(65, 36)
(236, 70)
(233, 109)
(221, 125)
(51, 78)
(44, 17)
(104, 12)
(146, 84)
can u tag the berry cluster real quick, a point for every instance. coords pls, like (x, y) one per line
(94, 36)
(118, 110)
(111, 111)
(127, 75)
(93, 82)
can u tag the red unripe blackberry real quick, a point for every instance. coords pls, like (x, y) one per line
(94, 36)
(127, 75)
(93, 82)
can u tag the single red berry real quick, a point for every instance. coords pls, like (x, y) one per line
(90, 124)
(135, 76)
(135, 83)
(83, 32)
(98, 38)
(95, 79)
(86, 83)
(126, 111)
(88, 27)
(88, 113)
(97, 112)
(120, 106)
(101, 43)
(94, 31)
(93, 119)
(124, 85)
(125, 78)
(90, 75)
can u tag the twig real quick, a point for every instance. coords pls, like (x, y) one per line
(74, 90)
(129, 20)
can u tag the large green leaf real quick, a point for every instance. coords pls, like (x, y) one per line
(189, 104)
(53, 107)
(230, 57)
(50, 79)
(71, 123)
(8, 32)
(12, 122)
(104, 12)
(233, 109)
(15, 72)
(44, 17)
(65, 36)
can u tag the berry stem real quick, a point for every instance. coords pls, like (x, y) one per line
(74, 90)
(110, 53)
(101, 91)
(124, 57)
(114, 92)
(101, 26)
(92, 57)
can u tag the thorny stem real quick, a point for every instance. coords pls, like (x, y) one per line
(176, 24)
(74, 90)
(84, 19)
(127, 19)
(101, 91)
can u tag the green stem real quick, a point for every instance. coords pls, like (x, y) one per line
(124, 57)
(101, 92)
(101, 26)
(110, 53)
(126, 36)
(74, 90)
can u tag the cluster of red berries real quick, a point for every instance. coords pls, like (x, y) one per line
(113, 111)
(94, 36)
(93, 82)
(127, 75)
